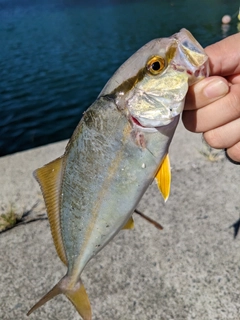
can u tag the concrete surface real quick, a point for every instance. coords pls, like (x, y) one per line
(190, 270)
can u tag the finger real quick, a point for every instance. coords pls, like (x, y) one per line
(234, 79)
(206, 91)
(225, 136)
(222, 60)
(215, 114)
(234, 152)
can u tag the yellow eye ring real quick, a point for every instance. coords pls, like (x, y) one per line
(155, 65)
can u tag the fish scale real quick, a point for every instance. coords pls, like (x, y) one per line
(118, 148)
(117, 152)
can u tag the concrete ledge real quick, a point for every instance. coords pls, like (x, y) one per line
(190, 270)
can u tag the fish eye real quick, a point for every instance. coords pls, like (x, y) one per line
(155, 65)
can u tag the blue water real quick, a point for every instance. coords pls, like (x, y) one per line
(56, 55)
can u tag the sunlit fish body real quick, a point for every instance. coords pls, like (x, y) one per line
(118, 148)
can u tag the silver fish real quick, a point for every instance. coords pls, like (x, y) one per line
(118, 148)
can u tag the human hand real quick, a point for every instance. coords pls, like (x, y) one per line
(213, 104)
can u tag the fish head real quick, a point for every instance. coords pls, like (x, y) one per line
(152, 84)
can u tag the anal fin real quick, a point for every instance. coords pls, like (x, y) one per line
(129, 224)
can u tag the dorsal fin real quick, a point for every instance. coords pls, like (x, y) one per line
(163, 178)
(49, 178)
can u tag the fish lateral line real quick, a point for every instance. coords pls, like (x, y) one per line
(87, 179)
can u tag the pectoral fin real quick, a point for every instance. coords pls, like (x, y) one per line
(163, 178)
(129, 224)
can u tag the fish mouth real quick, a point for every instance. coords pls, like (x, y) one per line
(137, 124)
(194, 74)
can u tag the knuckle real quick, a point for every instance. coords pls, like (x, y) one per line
(214, 139)
(234, 152)
(234, 102)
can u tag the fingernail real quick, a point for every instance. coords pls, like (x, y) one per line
(215, 89)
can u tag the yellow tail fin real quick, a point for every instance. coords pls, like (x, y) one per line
(77, 295)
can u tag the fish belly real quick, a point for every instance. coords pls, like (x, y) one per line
(106, 172)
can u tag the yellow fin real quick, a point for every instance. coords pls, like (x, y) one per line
(163, 178)
(51, 294)
(129, 224)
(49, 178)
(80, 300)
(77, 295)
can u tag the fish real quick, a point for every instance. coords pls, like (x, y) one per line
(116, 151)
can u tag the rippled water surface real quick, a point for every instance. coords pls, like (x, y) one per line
(56, 55)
